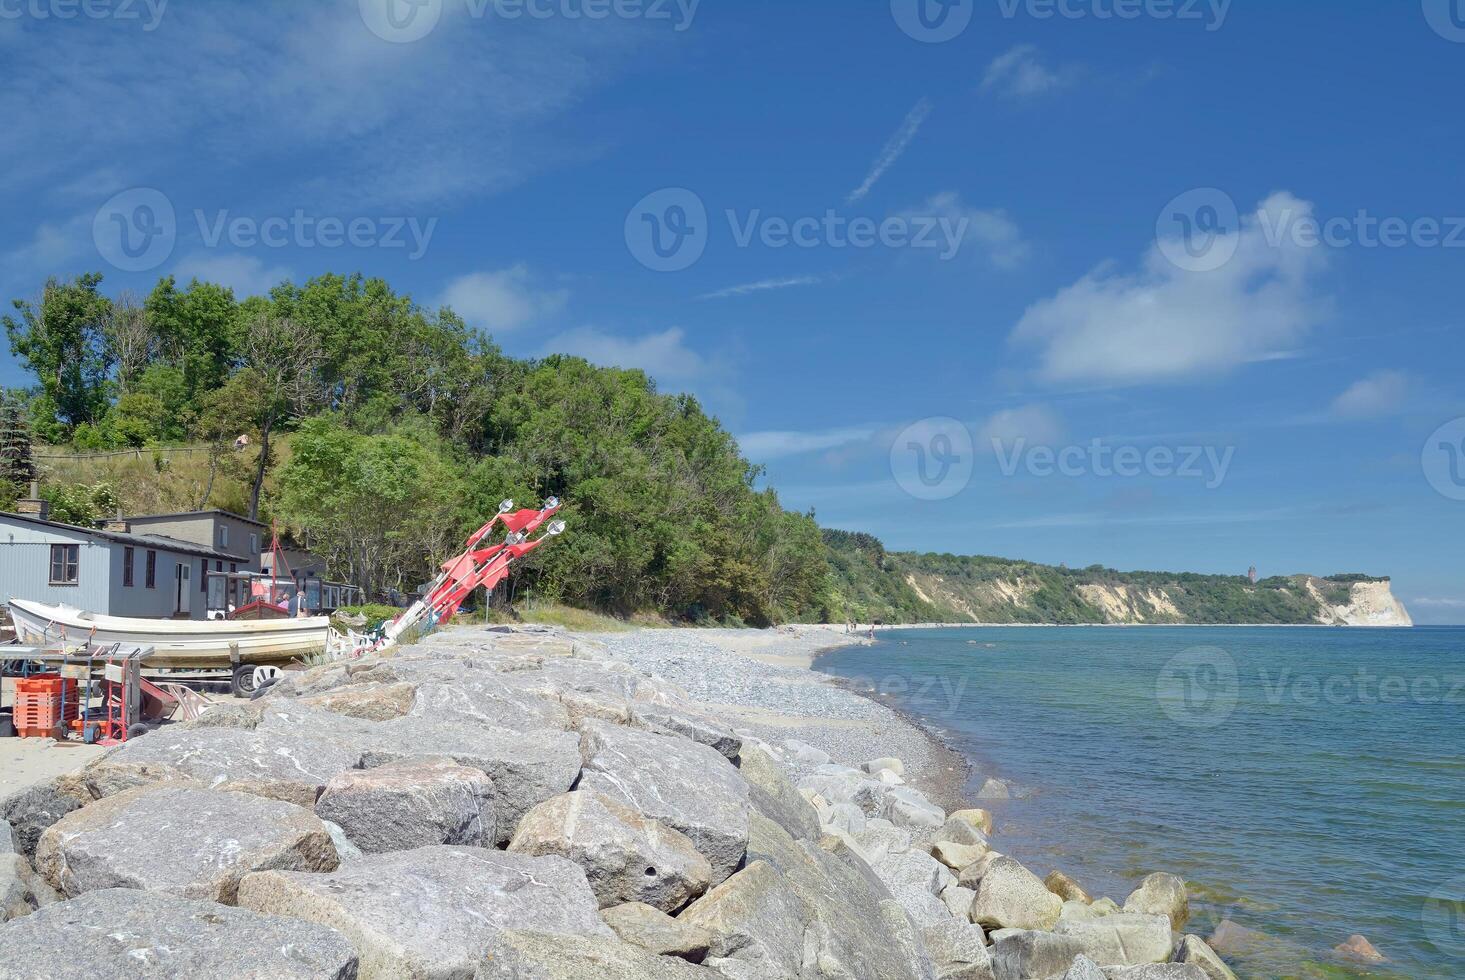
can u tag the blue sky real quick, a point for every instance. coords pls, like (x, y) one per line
(1045, 224)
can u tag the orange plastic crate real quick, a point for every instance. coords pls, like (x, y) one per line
(42, 702)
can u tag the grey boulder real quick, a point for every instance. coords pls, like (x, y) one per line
(527, 768)
(435, 911)
(1009, 896)
(1156, 971)
(757, 924)
(1025, 954)
(688, 724)
(958, 950)
(626, 857)
(532, 956)
(410, 804)
(689, 787)
(656, 932)
(1123, 939)
(31, 810)
(21, 889)
(129, 934)
(1161, 894)
(773, 794)
(1195, 951)
(290, 766)
(194, 843)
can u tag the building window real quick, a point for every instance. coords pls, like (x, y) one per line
(152, 570)
(223, 535)
(203, 578)
(127, 567)
(64, 558)
(253, 544)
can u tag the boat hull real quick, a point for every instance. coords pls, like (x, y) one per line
(176, 643)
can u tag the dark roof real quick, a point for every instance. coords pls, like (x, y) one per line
(197, 513)
(158, 542)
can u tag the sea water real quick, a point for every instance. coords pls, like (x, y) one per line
(1307, 783)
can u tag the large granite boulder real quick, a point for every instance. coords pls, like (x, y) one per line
(626, 857)
(194, 843)
(415, 803)
(1084, 968)
(1124, 939)
(1025, 954)
(958, 950)
(1009, 896)
(656, 932)
(370, 701)
(31, 810)
(21, 890)
(908, 807)
(1066, 888)
(531, 956)
(855, 929)
(774, 795)
(1195, 951)
(7, 838)
(290, 766)
(527, 768)
(686, 786)
(434, 911)
(127, 934)
(757, 925)
(1156, 971)
(688, 723)
(1161, 894)
(487, 699)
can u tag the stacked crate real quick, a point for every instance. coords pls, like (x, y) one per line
(42, 703)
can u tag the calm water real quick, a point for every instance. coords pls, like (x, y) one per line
(1308, 783)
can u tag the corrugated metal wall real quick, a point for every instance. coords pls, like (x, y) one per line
(25, 570)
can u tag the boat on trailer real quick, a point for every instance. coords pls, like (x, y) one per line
(176, 643)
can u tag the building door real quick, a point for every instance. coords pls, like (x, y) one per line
(184, 591)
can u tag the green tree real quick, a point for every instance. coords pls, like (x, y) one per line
(62, 341)
(372, 505)
(197, 331)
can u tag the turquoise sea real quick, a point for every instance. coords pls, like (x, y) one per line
(1308, 783)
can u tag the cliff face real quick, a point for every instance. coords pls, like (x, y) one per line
(1369, 604)
(893, 587)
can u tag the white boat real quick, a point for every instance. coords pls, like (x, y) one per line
(175, 642)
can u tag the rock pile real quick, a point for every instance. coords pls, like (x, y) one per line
(520, 806)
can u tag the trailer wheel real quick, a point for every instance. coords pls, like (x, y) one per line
(138, 729)
(241, 684)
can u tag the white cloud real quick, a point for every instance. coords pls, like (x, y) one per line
(501, 301)
(664, 356)
(1438, 602)
(51, 251)
(762, 286)
(1020, 73)
(1163, 324)
(894, 148)
(1036, 425)
(760, 446)
(1381, 393)
(996, 234)
(247, 275)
